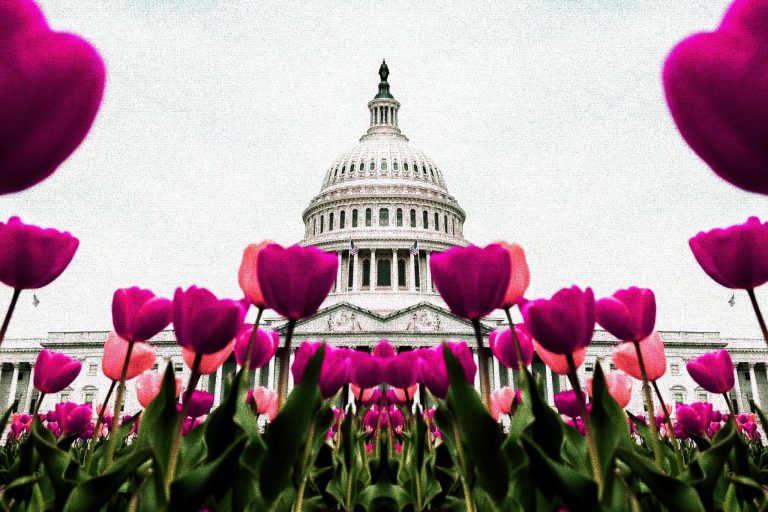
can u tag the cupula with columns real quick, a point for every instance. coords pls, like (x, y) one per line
(383, 208)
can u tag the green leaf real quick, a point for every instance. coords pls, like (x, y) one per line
(546, 430)
(711, 463)
(57, 462)
(220, 427)
(608, 421)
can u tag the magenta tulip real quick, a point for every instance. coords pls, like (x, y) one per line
(52, 86)
(713, 371)
(519, 277)
(564, 323)
(693, 419)
(200, 403)
(433, 372)
(365, 370)
(402, 371)
(265, 346)
(54, 371)
(73, 418)
(735, 257)
(383, 349)
(567, 403)
(203, 323)
(716, 85)
(629, 314)
(624, 357)
(32, 257)
(138, 314)
(334, 373)
(471, 280)
(503, 347)
(296, 280)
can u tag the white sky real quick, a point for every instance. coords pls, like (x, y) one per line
(220, 119)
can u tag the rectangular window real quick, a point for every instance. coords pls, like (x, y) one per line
(399, 217)
(178, 367)
(678, 397)
(383, 217)
(426, 220)
(92, 369)
(88, 398)
(342, 220)
(354, 218)
(674, 369)
(368, 217)
(702, 397)
(65, 397)
(437, 223)
(588, 368)
(413, 218)
(330, 222)
(746, 376)
(155, 366)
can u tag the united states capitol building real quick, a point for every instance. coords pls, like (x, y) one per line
(383, 209)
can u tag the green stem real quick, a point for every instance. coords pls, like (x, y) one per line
(285, 359)
(670, 427)
(112, 441)
(305, 464)
(730, 405)
(37, 405)
(9, 313)
(99, 421)
(758, 314)
(655, 441)
(482, 363)
(173, 455)
(518, 349)
(591, 441)
(463, 465)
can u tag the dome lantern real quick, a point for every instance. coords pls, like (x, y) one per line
(383, 108)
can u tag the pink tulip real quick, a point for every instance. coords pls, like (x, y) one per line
(716, 87)
(365, 370)
(248, 276)
(53, 83)
(113, 358)
(366, 396)
(567, 403)
(472, 280)
(265, 401)
(138, 314)
(203, 323)
(200, 403)
(383, 349)
(619, 387)
(264, 346)
(334, 372)
(629, 314)
(73, 418)
(652, 349)
(209, 363)
(735, 257)
(31, 257)
(557, 362)
(54, 371)
(520, 276)
(564, 323)
(713, 371)
(296, 280)
(402, 371)
(505, 397)
(148, 387)
(693, 419)
(503, 347)
(433, 372)
(399, 396)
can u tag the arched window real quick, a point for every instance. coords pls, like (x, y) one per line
(354, 218)
(453, 225)
(425, 219)
(330, 222)
(416, 275)
(437, 224)
(314, 225)
(678, 394)
(373, 165)
(368, 217)
(366, 272)
(445, 223)
(401, 272)
(384, 272)
(383, 165)
(322, 223)
(384, 217)
(342, 219)
(362, 166)
(413, 218)
(405, 166)
(399, 218)
(350, 279)
(394, 166)
(415, 170)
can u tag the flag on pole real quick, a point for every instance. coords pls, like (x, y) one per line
(415, 248)
(732, 300)
(352, 248)
(35, 300)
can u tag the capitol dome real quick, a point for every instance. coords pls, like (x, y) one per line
(384, 207)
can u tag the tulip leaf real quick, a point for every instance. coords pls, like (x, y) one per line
(479, 432)
(57, 463)
(546, 430)
(220, 427)
(287, 434)
(4, 419)
(608, 421)
(710, 463)
(96, 492)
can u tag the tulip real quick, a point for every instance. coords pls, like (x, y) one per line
(383, 349)
(265, 401)
(567, 403)
(200, 403)
(559, 363)
(265, 346)
(694, 419)
(563, 323)
(334, 372)
(520, 276)
(399, 396)
(365, 396)
(148, 387)
(209, 363)
(115, 353)
(472, 280)
(715, 85)
(295, 280)
(54, 371)
(396, 419)
(624, 357)
(53, 83)
(619, 387)
(433, 371)
(629, 314)
(502, 400)
(713, 371)
(138, 314)
(73, 418)
(248, 276)
(735, 257)
(203, 323)
(402, 371)
(365, 370)
(502, 346)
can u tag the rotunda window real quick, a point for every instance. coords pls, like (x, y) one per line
(384, 217)
(368, 217)
(342, 219)
(425, 219)
(399, 217)
(437, 223)
(405, 166)
(383, 165)
(413, 218)
(354, 218)
(314, 225)
(445, 223)
(322, 223)
(394, 166)
(384, 272)
(351, 276)
(330, 222)
(362, 166)
(366, 272)
(373, 165)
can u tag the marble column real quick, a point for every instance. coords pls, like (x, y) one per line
(290, 374)
(550, 387)
(14, 383)
(28, 395)
(372, 273)
(338, 273)
(412, 275)
(739, 405)
(355, 274)
(477, 374)
(496, 369)
(218, 397)
(429, 275)
(271, 374)
(393, 270)
(753, 384)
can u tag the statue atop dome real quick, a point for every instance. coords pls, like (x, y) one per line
(383, 71)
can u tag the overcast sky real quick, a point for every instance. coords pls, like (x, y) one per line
(221, 118)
